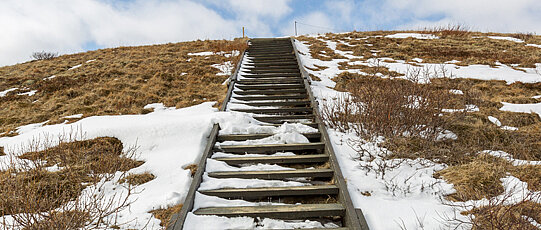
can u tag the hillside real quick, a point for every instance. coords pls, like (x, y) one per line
(438, 129)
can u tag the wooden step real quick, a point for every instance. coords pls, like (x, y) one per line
(269, 81)
(296, 159)
(311, 124)
(269, 52)
(269, 92)
(261, 68)
(243, 137)
(247, 75)
(269, 148)
(278, 103)
(276, 64)
(270, 97)
(251, 71)
(269, 59)
(251, 193)
(281, 118)
(297, 211)
(276, 111)
(271, 63)
(281, 86)
(274, 174)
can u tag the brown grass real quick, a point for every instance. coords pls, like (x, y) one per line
(456, 43)
(165, 215)
(119, 81)
(137, 179)
(474, 176)
(192, 168)
(32, 190)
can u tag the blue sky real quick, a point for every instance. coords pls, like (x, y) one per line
(69, 26)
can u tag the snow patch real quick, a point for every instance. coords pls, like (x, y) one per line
(412, 35)
(506, 39)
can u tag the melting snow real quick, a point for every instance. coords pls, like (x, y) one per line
(412, 35)
(506, 39)
(5, 92)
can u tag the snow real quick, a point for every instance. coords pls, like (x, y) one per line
(75, 67)
(509, 157)
(49, 78)
(412, 35)
(29, 93)
(205, 53)
(534, 45)
(417, 59)
(495, 121)
(522, 108)
(506, 39)
(456, 91)
(90, 60)
(5, 92)
(74, 116)
(225, 68)
(167, 139)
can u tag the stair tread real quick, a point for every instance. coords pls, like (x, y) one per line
(277, 211)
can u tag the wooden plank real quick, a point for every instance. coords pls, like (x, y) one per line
(281, 118)
(296, 159)
(278, 103)
(243, 137)
(266, 81)
(299, 211)
(270, 71)
(271, 75)
(274, 97)
(268, 148)
(313, 125)
(270, 92)
(251, 193)
(276, 111)
(259, 68)
(274, 174)
(283, 86)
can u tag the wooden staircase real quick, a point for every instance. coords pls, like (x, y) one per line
(274, 87)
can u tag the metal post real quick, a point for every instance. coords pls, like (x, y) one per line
(295, 28)
(243, 32)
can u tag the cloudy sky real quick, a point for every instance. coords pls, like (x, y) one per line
(69, 26)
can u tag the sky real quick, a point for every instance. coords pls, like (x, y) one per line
(71, 26)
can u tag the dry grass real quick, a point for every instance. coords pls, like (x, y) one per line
(474, 175)
(319, 49)
(120, 81)
(509, 217)
(40, 197)
(137, 179)
(192, 168)
(477, 179)
(165, 215)
(456, 43)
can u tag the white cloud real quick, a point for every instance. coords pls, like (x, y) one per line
(65, 26)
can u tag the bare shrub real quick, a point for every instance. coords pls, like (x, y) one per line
(389, 107)
(43, 55)
(514, 209)
(525, 36)
(64, 187)
(449, 30)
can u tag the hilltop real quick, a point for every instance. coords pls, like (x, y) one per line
(448, 137)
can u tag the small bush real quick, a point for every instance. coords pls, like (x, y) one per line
(43, 55)
(450, 30)
(63, 187)
(388, 107)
